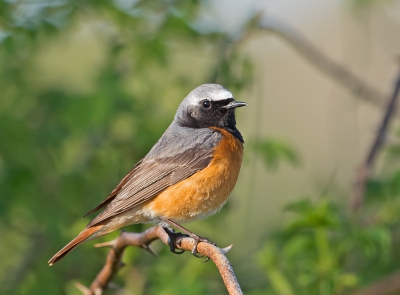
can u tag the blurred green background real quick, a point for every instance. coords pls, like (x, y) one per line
(87, 87)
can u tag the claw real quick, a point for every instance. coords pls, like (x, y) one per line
(173, 236)
(176, 252)
(195, 253)
(173, 239)
(199, 239)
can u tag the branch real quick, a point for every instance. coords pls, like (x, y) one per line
(142, 240)
(321, 61)
(365, 170)
(334, 70)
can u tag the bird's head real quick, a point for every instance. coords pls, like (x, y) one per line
(209, 105)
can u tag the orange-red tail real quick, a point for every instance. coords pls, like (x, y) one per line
(86, 233)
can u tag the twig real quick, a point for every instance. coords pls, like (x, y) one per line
(366, 168)
(386, 286)
(321, 61)
(338, 72)
(142, 240)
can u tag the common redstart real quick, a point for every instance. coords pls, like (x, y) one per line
(187, 175)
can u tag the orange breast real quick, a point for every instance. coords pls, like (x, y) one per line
(205, 192)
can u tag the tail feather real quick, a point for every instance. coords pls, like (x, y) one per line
(84, 235)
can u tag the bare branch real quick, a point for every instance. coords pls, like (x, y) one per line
(142, 240)
(366, 168)
(322, 62)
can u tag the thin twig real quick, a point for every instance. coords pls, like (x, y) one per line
(113, 262)
(302, 45)
(365, 170)
(325, 64)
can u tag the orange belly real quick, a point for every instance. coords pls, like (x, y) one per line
(205, 192)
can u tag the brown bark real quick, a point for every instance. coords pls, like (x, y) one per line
(113, 262)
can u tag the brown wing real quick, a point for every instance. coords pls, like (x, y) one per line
(116, 190)
(149, 178)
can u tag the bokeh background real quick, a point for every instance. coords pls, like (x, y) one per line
(87, 87)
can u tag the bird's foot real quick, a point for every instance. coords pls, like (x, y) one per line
(172, 241)
(197, 240)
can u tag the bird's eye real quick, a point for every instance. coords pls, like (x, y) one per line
(206, 104)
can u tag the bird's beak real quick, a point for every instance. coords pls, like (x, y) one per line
(234, 104)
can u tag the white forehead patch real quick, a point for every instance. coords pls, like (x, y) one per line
(221, 95)
(213, 92)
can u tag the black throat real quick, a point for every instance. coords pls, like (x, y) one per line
(235, 132)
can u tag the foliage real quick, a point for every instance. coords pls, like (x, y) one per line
(325, 249)
(64, 146)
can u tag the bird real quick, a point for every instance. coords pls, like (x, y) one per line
(187, 175)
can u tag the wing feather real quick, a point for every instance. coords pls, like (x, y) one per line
(151, 177)
(115, 191)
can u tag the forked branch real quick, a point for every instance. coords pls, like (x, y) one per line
(113, 262)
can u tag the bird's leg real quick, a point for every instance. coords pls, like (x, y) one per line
(196, 238)
(173, 236)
